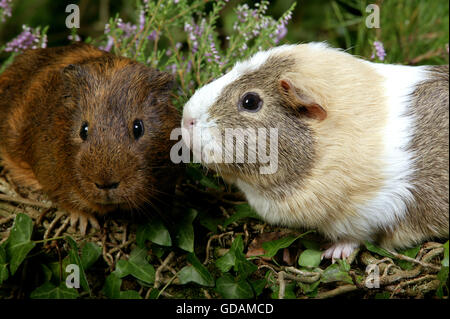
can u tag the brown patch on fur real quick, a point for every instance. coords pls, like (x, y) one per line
(46, 101)
(428, 216)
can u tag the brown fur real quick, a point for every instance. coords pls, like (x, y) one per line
(45, 103)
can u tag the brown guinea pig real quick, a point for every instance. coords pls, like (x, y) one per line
(89, 128)
(360, 150)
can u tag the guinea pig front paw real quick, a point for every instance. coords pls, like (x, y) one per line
(82, 219)
(340, 250)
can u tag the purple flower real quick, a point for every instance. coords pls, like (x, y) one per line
(153, 36)
(108, 45)
(27, 39)
(128, 28)
(141, 20)
(379, 50)
(5, 9)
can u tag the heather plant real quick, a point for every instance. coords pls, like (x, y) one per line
(178, 37)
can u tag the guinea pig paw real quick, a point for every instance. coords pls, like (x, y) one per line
(340, 250)
(82, 219)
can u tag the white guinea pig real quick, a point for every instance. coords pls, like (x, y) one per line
(362, 149)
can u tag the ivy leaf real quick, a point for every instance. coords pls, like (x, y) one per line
(445, 260)
(196, 272)
(4, 273)
(288, 292)
(19, 243)
(241, 211)
(258, 286)
(130, 294)
(185, 231)
(196, 174)
(137, 266)
(74, 258)
(50, 291)
(111, 289)
(412, 252)
(228, 260)
(90, 254)
(272, 247)
(310, 289)
(155, 231)
(378, 250)
(229, 288)
(310, 258)
(335, 273)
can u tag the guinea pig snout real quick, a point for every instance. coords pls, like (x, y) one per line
(188, 122)
(107, 186)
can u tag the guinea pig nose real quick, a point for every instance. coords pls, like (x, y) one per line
(107, 186)
(189, 122)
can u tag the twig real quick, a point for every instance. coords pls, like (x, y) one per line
(282, 285)
(161, 268)
(406, 258)
(24, 201)
(335, 292)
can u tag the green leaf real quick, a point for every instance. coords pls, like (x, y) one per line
(310, 258)
(258, 286)
(241, 211)
(229, 288)
(19, 243)
(209, 222)
(272, 247)
(196, 174)
(111, 289)
(412, 253)
(310, 289)
(74, 258)
(195, 273)
(445, 260)
(377, 250)
(288, 291)
(155, 231)
(130, 294)
(235, 258)
(4, 273)
(185, 231)
(335, 273)
(50, 291)
(308, 244)
(226, 262)
(382, 295)
(137, 266)
(47, 272)
(90, 254)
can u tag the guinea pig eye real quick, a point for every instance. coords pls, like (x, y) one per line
(138, 129)
(84, 131)
(250, 102)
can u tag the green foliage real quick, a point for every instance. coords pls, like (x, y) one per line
(184, 237)
(195, 272)
(19, 242)
(154, 231)
(137, 266)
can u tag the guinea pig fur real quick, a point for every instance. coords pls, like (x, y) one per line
(362, 147)
(90, 129)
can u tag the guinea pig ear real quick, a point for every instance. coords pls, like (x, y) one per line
(71, 74)
(163, 81)
(301, 102)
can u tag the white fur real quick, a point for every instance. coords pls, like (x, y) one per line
(389, 205)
